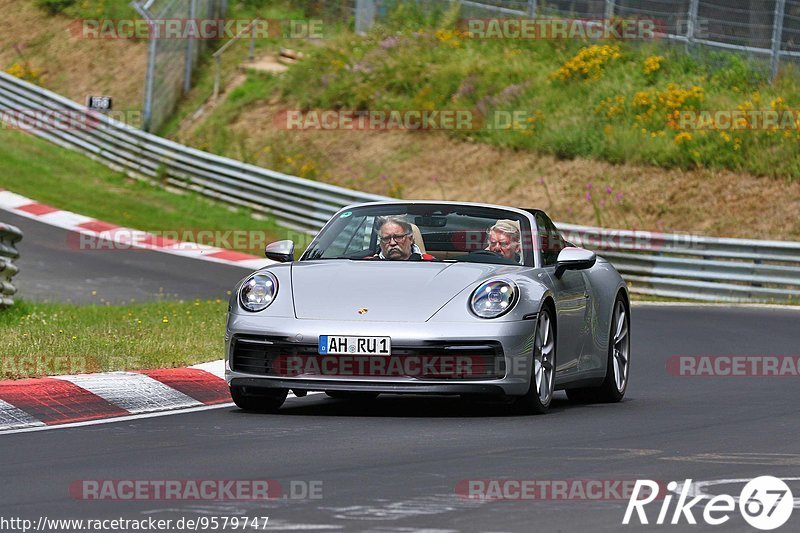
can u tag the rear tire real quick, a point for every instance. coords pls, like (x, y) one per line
(540, 391)
(615, 383)
(258, 400)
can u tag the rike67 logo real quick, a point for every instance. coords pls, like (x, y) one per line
(765, 503)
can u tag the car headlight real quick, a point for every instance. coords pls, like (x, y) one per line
(494, 298)
(258, 291)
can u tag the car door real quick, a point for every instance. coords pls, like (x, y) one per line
(571, 297)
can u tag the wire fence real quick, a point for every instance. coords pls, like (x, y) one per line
(171, 61)
(767, 29)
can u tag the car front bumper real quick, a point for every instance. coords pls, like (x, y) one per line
(293, 338)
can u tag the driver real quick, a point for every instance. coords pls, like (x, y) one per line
(396, 239)
(504, 239)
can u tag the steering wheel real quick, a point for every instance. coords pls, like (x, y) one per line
(488, 256)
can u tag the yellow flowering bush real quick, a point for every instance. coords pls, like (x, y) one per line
(25, 72)
(611, 107)
(449, 37)
(652, 64)
(588, 63)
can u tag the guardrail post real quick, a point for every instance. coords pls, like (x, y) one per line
(777, 36)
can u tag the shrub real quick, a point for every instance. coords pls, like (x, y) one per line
(54, 7)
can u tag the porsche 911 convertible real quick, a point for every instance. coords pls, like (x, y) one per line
(430, 298)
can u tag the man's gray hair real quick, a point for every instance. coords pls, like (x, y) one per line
(399, 221)
(509, 227)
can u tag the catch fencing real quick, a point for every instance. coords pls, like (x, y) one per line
(671, 265)
(171, 62)
(763, 28)
(9, 237)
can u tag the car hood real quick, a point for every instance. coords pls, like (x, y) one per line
(388, 290)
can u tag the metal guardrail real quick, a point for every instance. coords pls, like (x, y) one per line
(670, 265)
(295, 202)
(9, 236)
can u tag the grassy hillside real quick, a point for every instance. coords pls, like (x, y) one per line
(69, 180)
(619, 101)
(599, 146)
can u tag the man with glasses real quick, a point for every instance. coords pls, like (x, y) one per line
(504, 239)
(396, 238)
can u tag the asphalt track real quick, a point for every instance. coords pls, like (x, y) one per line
(52, 269)
(393, 464)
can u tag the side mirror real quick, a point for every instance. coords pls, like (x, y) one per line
(573, 258)
(281, 251)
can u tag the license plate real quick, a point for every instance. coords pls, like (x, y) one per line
(339, 344)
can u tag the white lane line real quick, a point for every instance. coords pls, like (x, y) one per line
(14, 418)
(134, 392)
(118, 419)
(721, 305)
(129, 417)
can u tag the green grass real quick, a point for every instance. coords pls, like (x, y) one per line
(68, 180)
(618, 112)
(105, 9)
(49, 339)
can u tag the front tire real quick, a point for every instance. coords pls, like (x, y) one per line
(540, 391)
(617, 364)
(258, 400)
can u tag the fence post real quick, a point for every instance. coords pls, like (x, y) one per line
(691, 24)
(777, 36)
(187, 74)
(150, 75)
(217, 74)
(365, 15)
(253, 40)
(532, 9)
(609, 9)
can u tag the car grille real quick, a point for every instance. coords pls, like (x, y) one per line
(279, 357)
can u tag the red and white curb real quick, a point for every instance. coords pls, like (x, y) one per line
(57, 400)
(22, 206)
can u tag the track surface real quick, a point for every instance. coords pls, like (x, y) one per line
(51, 269)
(393, 464)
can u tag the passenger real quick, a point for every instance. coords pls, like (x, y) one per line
(397, 242)
(504, 239)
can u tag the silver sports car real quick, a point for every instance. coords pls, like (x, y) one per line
(431, 298)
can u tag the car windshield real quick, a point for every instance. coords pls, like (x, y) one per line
(427, 232)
